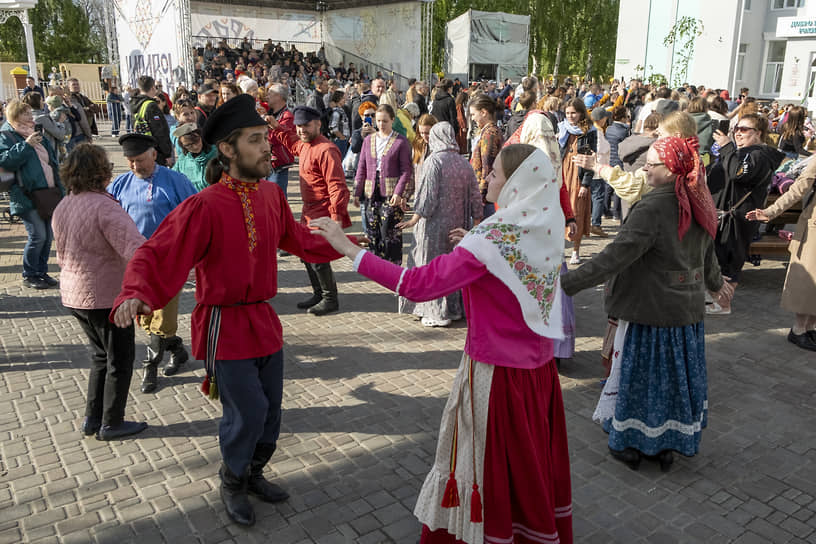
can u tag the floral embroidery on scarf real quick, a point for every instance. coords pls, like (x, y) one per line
(244, 190)
(540, 286)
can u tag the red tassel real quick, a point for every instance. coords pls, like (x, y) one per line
(205, 386)
(476, 505)
(451, 497)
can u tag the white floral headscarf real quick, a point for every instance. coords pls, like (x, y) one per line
(522, 243)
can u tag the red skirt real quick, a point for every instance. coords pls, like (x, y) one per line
(526, 491)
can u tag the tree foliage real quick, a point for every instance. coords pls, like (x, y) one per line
(62, 33)
(585, 29)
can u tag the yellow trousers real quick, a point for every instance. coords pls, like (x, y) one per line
(163, 322)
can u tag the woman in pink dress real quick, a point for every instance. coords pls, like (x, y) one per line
(501, 472)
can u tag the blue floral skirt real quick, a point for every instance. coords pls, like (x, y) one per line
(662, 400)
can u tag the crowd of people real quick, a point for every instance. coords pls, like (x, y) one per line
(492, 178)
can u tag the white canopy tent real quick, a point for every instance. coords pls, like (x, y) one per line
(494, 45)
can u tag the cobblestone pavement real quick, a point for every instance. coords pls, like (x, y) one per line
(363, 395)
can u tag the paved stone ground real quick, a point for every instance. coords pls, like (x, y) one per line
(363, 394)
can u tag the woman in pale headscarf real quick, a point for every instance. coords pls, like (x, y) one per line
(655, 401)
(537, 130)
(502, 466)
(447, 198)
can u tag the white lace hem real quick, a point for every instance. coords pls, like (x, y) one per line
(689, 429)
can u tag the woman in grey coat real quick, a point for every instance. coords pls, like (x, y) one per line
(447, 198)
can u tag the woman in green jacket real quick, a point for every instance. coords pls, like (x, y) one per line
(194, 156)
(34, 163)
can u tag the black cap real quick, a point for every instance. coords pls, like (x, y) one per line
(666, 106)
(206, 88)
(134, 144)
(235, 113)
(304, 114)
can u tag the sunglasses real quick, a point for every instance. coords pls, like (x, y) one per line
(742, 128)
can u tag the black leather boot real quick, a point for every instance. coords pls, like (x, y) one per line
(155, 354)
(328, 288)
(258, 485)
(317, 296)
(235, 498)
(178, 355)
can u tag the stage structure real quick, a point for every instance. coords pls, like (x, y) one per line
(493, 45)
(159, 37)
(154, 40)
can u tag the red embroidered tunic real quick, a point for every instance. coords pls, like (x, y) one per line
(208, 231)
(322, 181)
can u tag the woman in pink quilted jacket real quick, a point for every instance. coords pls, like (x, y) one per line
(95, 239)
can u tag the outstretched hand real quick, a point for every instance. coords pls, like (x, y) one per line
(456, 235)
(333, 233)
(757, 215)
(726, 292)
(129, 310)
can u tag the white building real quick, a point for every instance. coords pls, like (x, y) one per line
(768, 46)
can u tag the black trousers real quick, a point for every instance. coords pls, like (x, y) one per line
(111, 366)
(251, 392)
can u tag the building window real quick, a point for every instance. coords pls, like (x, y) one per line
(773, 67)
(743, 48)
(747, 5)
(782, 4)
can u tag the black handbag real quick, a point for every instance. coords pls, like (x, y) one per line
(45, 201)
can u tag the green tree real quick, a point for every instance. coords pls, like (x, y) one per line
(565, 37)
(62, 33)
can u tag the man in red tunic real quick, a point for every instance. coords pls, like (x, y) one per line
(230, 232)
(324, 193)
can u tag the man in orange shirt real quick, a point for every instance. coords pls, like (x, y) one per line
(324, 193)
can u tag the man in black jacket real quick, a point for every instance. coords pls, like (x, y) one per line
(148, 119)
(443, 106)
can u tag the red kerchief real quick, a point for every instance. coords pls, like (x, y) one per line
(681, 157)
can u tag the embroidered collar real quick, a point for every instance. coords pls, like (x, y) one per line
(244, 191)
(391, 139)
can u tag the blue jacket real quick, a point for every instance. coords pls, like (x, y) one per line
(17, 156)
(615, 134)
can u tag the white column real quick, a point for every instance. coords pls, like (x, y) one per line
(29, 39)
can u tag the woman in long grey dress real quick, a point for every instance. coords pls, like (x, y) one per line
(447, 198)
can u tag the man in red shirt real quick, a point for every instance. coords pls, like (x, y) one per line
(324, 193)
(282, 159)
(230, 232)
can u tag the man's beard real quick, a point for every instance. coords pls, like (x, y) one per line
(252, 171)
(307, 137)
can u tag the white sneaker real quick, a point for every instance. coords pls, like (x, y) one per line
(428, 322)
(715, 309)
(575, 259)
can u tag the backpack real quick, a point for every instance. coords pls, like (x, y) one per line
(140, 124)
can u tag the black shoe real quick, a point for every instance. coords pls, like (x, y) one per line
(49, 280)
(235, 498)
(804, 340)
(258, 486)
(265, 490)
(90, 426)
(324, 307)
(666, 458)
(812, 335)
(126, 428)
(178, 355)
(35, 283)
(150, 380)
(315, 299)
(630, 456)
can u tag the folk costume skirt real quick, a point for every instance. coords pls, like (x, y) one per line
(380, 221)
(661, 401)
(502, 466)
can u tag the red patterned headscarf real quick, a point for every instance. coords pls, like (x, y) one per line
(681, 157)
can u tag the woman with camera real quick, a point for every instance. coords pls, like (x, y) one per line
(36, 191)
(382, 178)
